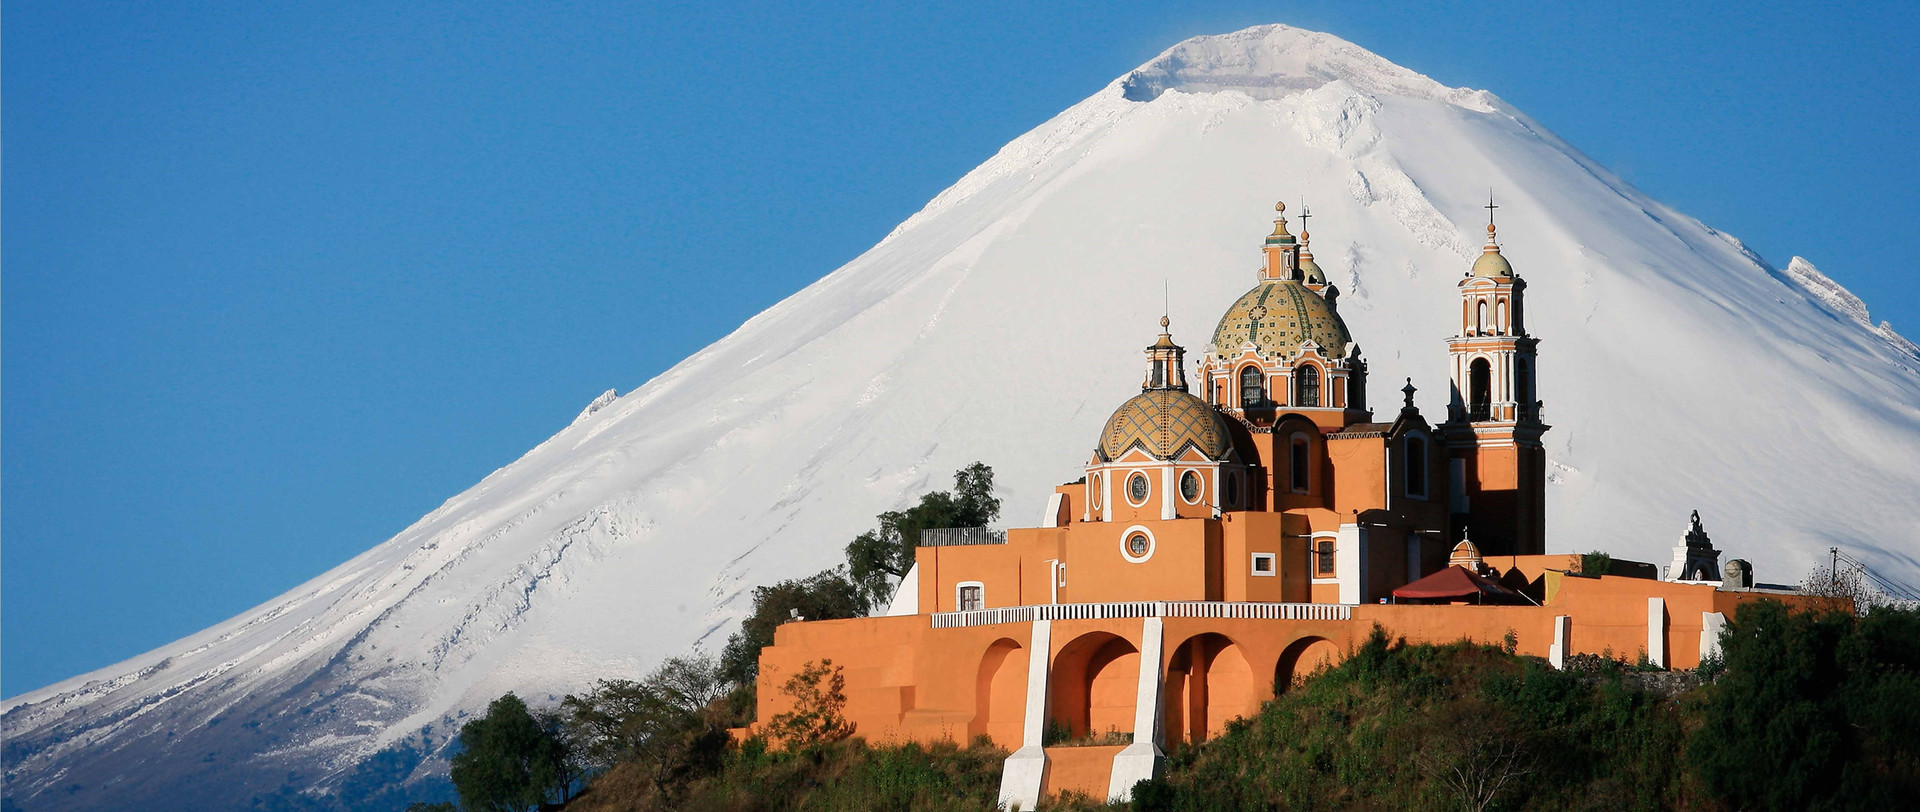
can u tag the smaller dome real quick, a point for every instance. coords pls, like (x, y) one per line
(1162, 422)
(1492, 264)
(1310, 271)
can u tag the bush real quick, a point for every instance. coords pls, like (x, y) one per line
(827, 595)
(1813, 710)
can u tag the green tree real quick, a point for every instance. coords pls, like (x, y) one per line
(1814, 710)
(671, 723)
(819, 694)
(826, 595)
(510, 761)
(878, 558)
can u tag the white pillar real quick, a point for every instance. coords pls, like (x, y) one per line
(1166, 493)
(1052, 517)
(1026, 770)
(1557, 653)
(1143, 759)
(1350, 562)
(1711, 624)
(1657, 631)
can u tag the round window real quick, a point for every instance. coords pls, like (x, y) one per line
(1233, 489)
(1190, 486)
(1094, 482)
(1137, 489)
(1136, 544)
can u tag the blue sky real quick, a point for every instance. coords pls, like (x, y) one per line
(277, 281)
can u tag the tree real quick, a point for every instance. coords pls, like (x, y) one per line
(878, 558)
(819, 694)
(509, 761)
(671, 723)
(825, 595)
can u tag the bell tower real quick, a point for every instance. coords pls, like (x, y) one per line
(1493, 428)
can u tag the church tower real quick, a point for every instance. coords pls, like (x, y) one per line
(1493, 428)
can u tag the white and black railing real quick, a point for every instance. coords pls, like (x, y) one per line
(1237, 610)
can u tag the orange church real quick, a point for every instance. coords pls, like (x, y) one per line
(1242, 522)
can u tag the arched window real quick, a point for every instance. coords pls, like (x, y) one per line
(1416, 458)
(1306, 385)
(1502, 315)
(1480, 388)
(1523, 387)
(1323, 558)
(1300, 467)
(1252, 393)
(1480, 319)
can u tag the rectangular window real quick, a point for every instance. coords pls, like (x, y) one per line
(971, 598)
(1323, 558)
(1263, 564)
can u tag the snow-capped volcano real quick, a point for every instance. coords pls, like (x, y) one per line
(1003, 323)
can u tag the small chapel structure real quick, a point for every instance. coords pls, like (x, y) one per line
(1243, 520)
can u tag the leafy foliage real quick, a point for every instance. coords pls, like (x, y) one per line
(877, 558)
(668, 725)
(1454, 726)
(819, 694)
(511, 761)
(826, 595)
(1596, 563)
(1815, 710)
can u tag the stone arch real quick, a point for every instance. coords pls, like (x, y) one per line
(1301, 659)
(1000, 695)
(1208, 684)
(1094, 680)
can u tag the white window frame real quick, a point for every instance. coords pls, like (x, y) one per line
(960, 589)
(1152, 544)
(1253, 565)
(1126, 488)
(1199, 493)
(1313, 558)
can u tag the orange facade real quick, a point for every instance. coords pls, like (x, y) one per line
(1221, 545)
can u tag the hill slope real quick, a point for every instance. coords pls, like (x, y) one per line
(1003, 323)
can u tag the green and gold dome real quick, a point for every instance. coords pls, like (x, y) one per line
(1278, 316)
(1162, 422)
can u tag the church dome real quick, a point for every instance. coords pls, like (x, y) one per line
(1162, 422)
(1278, 316)
(1490, 262)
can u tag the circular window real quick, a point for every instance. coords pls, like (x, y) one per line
(1136, 545)
(1190, 486)
(1233, 489)
(1094, 485)
(1137, 489)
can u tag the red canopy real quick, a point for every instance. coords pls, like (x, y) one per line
(1457, 582)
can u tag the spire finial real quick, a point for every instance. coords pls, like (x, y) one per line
(1304, 214)
(1491, 242)
(1408, 390)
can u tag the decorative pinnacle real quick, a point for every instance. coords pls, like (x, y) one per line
(1408, 390)
(1164, 321)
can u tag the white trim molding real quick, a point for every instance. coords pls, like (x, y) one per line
(1126, 553)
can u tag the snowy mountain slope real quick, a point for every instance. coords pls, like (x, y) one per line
(1003, 323)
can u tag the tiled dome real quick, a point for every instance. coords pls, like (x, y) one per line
(1278, 316)
(1162, 422)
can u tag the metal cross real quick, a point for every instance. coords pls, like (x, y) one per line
(1490, 207)
(1304, 214)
